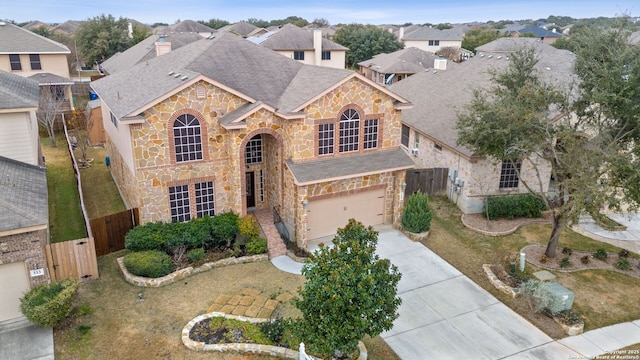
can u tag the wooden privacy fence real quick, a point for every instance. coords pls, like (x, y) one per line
(109, 231)
(429, 181)
(72, 259)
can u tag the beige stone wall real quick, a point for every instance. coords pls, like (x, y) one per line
(27, 247)
(124, 178)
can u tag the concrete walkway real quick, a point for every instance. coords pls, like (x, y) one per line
(22, 340)
(627, 239)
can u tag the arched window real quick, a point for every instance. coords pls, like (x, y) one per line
(187, 138)
(349, 131)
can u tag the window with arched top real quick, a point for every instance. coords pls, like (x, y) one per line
(187, 138)
(349, 131)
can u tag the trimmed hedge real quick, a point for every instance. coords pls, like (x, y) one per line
(513, 206)
(151, 263)
(48, 305)
(416, 217)
(257, 245)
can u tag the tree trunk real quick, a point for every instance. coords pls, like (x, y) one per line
(52, 136)
(556, 228)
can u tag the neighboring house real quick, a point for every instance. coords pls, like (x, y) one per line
(431, 39)
(241, 28)
(18, 121)
(189, 27)
(36, 24)
(28, 54)
(223, 124)
(149, 48)
(429, 127)
(390, 68)
(306, 46)
(68, 27)
(93, 114)
(548, 37)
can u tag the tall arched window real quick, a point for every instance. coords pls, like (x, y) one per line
(349, 131)
(187, 138)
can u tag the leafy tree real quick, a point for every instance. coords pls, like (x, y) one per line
(155, 25)
(320, 22)
(480, 36)
(42, 31)
(365, 41)
(587, 139)
(139, 33)
(444, 26)
(258, 22)
(102, 36)
(215, 23)
(350, 292)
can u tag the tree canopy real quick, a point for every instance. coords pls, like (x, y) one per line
(480, 36)
(365, 41)
(588, 138)
(102, 36)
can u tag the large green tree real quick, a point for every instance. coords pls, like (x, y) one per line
(586, 135)
(349, 293)
(102, 36)
(365, 41)
(480, 36)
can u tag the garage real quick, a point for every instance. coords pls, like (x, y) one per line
(14, 282)
(325, 216)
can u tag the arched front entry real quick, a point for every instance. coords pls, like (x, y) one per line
(261, 170)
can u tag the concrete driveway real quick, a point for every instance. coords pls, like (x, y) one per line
(444, 315)
(22, 340)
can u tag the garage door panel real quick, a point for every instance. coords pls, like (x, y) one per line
(327, 215)
(14, 282)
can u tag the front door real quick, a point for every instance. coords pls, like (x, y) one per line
(251, 198)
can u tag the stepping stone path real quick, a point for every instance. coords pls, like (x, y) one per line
(250, 303)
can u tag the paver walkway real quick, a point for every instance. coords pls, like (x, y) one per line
(275, 245)
(250, 303)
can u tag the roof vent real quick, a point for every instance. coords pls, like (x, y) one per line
(2, 23)
(184, 78)
(177, 75)
(171, 73)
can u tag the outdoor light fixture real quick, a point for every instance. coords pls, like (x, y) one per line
(404, 186)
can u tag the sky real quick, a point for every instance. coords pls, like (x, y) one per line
(335, 11)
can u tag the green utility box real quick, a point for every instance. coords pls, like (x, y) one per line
(562, 298)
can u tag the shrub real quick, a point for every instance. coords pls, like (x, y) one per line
(239, 331)
(150, 236)
(273, 330)
(513, 206)
(565, 262)
(248, 227)
(624, 253)
(257, 246)
(537, 298)
(224, 228)
(623, 264)
(150, 263)
(600, 254)
(543, 259)
(196, 255)
(585, 259)
(48, 305)
(566, 251)
(416, 216)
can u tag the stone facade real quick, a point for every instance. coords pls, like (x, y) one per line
(481, 177)
(27, 247)
(223, 160)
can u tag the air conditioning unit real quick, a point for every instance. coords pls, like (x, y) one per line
(414, 151)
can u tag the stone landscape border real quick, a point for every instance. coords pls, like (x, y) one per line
(186, 272)
(520, 224)
(277, 351)
(493, 279)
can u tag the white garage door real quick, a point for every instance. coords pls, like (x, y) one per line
(14, 282)
(327, 215)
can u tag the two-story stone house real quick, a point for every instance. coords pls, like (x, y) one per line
(223, 124)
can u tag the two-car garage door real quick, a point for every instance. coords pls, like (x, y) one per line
(14, 282)
(327, 215)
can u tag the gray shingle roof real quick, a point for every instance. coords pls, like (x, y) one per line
(17, 91)
(23, 195)
(16, 40)
(68, 27)
(291, 37)
(50, 79)
(145, 50)
(250, 69)
(241, 28)
(309, 172)
(408, 60)
(187, 26)
(439, 97)
(428, 33)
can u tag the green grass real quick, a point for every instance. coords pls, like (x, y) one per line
(65, 216)
(101, 196)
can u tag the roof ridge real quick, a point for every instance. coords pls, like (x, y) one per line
(43, 38)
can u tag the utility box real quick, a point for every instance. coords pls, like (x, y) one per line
(562, 298)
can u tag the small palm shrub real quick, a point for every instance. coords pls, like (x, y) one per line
(256, 246)
(416, 217)
(600, 254)
(623, 264)
(565, 262)
(48, 305)
(150, 263)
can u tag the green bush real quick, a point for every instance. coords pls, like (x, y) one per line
(150, 236)
(257, 246)
(224, 228)
(565, 262)
(600, 254)
(249, 227)
(274, 329)
(416, 216)
(623, 264)
(196, 255)
(151, 263)
(48, 305)
(513, 206)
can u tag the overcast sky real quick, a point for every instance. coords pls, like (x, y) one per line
(335, 11)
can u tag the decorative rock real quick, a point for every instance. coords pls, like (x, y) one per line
(544, 275)
(416, 237)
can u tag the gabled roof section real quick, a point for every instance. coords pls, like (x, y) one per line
(35, 24)
(18, 92)
(241, 28)
(50, 79)
(187, 26)
(428, 33)
(146, 50)
(68, 27)
(538, 32)
(16, 40)
(236, 118)
(408, 60)
(439, 97)
(23, 195)
(344, 167)
(291, 37)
